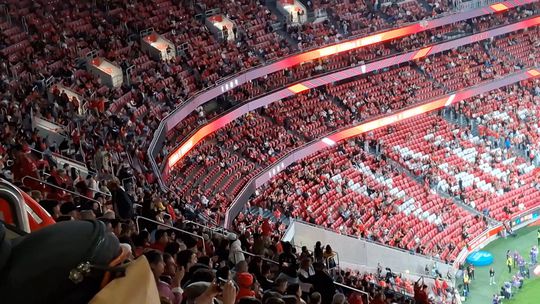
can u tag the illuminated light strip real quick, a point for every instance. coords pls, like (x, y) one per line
(429, 106)
(201, 98)
(363, 68)
(297, 88)
(422, 53)
(310, 148)
(533, 73)
(328, 141)
(379, 37)
(450, 100)
(355, 71)
(499, 7)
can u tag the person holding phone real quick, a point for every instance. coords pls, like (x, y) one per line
(224, 291)
(420, 292)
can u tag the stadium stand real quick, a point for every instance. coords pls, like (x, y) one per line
(315, 113)
(77, 144)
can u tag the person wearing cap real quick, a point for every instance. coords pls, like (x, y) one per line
(69, 209)
(52, 207)
(244, 280)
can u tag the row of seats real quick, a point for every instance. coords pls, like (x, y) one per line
(352, 192)
(263, 137)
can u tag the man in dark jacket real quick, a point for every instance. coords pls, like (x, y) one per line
(123, 206)
(322, 283)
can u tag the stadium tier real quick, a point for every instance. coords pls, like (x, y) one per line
(202, 151)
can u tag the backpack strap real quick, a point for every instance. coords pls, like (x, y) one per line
(120, 259)
(5, 247)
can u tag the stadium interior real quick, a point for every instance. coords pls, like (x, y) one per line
(267, 151)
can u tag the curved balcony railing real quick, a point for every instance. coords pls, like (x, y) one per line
(58, 188)
(230, 82)
(202, 131)
(185, 232)
(344, 133)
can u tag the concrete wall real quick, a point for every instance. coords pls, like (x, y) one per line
(361, 252)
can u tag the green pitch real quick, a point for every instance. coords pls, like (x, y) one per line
(529, 294)
(482, 292)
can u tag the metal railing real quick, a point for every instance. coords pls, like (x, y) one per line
(326, 260)
(16, 205)
(255, 255)
(353, 289)
(375, 242)
(138, 218)
(212, 230)
(381, 62)
(62, 189)
(315, 145)
(160, 137)
(472, 4)
(63, 159)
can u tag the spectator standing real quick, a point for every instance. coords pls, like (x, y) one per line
(318, 253)
(491, 276)
(509, 262)
(534, 255)
(161, 240)
(296, 291)
(466, 282)
(123, 206)
(235, 249)
(420, 294)
(157, 265)
(329, 257)
(322, 283)
(169, 283)
(245, 281)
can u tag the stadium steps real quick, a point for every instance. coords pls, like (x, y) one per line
(487, 47)
(337, 102)
(462, 120)
(265, 213)
(293, 45)
(226, 179)
(192, 174)
(420, 180)
(429, 77)
(331, 17)
(425, 5)
(310, 12)
(290, 131)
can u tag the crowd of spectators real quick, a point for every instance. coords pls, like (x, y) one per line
(266, 134)
(367, 196)
(47, 39)
(352, 58)
(194, 263)
(508, 130)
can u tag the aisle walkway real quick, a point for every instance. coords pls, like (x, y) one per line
(481, 292)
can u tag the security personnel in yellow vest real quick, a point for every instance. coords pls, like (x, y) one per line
(509, 262)
(466, 282)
